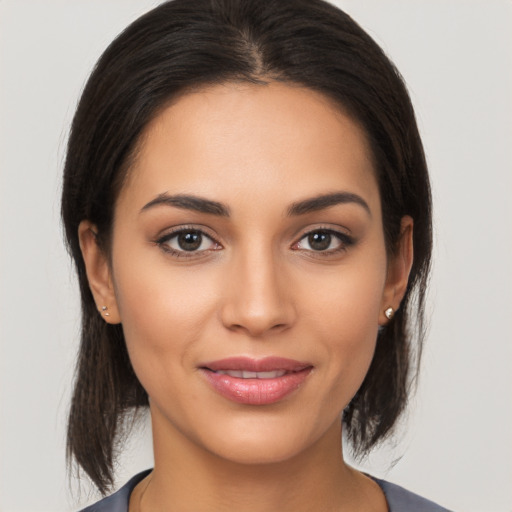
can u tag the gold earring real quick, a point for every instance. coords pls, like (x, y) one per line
(390, 313)
(105, 312)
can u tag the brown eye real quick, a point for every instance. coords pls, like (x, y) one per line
(326, 241)
(189, 240)
(320, 240)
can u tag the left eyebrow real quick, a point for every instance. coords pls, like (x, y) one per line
(326, 201)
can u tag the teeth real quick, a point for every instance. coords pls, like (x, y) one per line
(269, 375)
(231, 373)
(252, 375)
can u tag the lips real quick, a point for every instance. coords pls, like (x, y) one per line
(255, 382)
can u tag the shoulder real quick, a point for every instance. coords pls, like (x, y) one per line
(402, 500)
(119, 501)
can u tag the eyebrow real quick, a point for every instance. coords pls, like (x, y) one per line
(188, 202)
(202, 205)
(325, 201)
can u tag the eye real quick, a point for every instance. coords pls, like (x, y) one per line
(324, 240)
(187, 240)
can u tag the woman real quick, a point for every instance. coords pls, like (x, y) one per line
(247, 203)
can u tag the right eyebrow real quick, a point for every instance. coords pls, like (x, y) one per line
(188, 202)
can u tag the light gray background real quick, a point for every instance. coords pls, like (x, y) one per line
(456, 58)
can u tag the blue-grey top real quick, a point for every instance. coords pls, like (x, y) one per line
(398, 498)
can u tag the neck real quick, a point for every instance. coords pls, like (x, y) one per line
(188, 478)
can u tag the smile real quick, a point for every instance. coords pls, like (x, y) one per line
(255, 382)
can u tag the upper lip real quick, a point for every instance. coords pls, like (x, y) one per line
(267, 364)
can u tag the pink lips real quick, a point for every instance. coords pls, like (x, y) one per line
(255, 382)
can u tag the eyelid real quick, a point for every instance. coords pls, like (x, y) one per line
(341, 231)
(170, 233)
(185, 227)
(344, 238)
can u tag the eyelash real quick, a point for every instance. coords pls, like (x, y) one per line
(163, 241)
(344, 240)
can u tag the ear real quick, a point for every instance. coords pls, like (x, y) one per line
(98, 273)
(399, 268)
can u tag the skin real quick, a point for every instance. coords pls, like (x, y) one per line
(256, 287)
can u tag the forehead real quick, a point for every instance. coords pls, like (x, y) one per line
(234, 139)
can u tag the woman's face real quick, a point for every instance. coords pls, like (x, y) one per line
(249, 269)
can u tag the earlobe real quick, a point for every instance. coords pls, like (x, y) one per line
(399, 268)
(98, 273)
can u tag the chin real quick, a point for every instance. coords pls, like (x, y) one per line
(261, 442)
(255, 453)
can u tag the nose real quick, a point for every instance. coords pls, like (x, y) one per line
(258, 296)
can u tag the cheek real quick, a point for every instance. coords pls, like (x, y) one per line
(163, 314)
(347, 322)
(362, 301)
(348, 300)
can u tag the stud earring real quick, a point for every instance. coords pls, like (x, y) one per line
(105, 312)
(390, 313)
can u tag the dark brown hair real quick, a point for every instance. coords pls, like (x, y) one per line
(184, 44)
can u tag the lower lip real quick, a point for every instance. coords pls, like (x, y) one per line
(256, 391)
